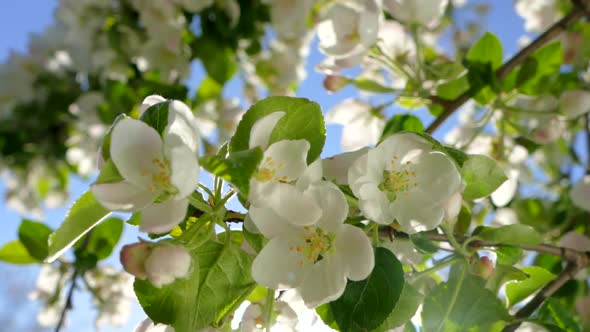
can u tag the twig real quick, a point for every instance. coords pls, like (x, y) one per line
(587, 130)
(579, 258)
(70, 295)
(451, 106)
(551, 288)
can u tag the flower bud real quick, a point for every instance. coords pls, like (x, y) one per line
(133, 257)
(484, 267)
(161, 263)
(167, 263)
(334, 83)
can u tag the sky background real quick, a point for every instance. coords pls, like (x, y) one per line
(20, 18)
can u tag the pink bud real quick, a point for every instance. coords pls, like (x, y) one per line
(167, 263)
(485, 267)
(334, 83)
(133, 257)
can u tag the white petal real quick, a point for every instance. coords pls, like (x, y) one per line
(261, 130)
(276, 266)
(580, 193)
(150, 101)
(505, 192)
(453, 207)
(122, 196)
(312, 173)
(437, 177)
(182, 126)
(134, 147)
(332, 202)
(269, 223)
(184, 169)
(289, 157)
(575, 103)
(162, 217)
(349, 111)
(575, 240)
(325, 282)
(375, 205)
(404, 250)
(292, 205)
(336, 167)
(356, 252)
(417, 215)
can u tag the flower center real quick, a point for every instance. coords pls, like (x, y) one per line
(316, 244)
(268, 170)
(159, 179)
(397, 180)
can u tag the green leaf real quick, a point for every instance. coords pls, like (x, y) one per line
(508, 255)
(482, 176)
(103, 238)
(325, 313)
(34, 236)
(459, 156)
(518, 290)
(366, 304)
(503, 274)
(462, 304)
(517, 234)
(208, 89)
(156, 116)
(85, 213)
(220, 280)
(488, 49)
(237, 168)
(554, 312)
(109, 173)
(406, 307)
(303, 120)
(370, 85)
(218, 59)
(256, 241)
(15, 252)
(402, 122)
(423, 244)
(452, 89)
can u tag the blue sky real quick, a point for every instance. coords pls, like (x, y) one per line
(19, 18)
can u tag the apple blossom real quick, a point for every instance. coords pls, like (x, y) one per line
(538, 14)
(253, 319)
(288, 17)
(574, 103)
(362, 124)
(349, 27)
(315, 256)
(580, 193)
(160, 263)
(154, 166)
(404, 179)
(425, 12)
(575, 240)
(336, 167)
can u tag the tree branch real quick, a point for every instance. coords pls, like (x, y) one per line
(566, 275)
(567, 21)
(70, 295)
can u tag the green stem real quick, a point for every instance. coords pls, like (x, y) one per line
(270, 301)
(199, 204)
(449, 260)
(454, 243)
(419, 55)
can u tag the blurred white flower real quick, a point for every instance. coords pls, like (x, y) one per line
(425, 12)
(362, 125)
(574, 103)
(537, 14)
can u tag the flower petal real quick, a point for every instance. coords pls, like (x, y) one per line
(504, 194)
(182, 126)
(134, 147)
(269, 223)
(332, 202)
(415, 214)
(276, 266)
(580, 193)
(312, 173)
(122, 196)
(292, 205)
(150, 101)
(325, 282)
(356, 252)
(184, 169)
(162, 217)
(437, 177)
(289, 158)
(336, 168)
(261, 130)
(375, 205)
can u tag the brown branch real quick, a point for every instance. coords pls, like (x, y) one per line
(579, 258)
(551, 288)
(450, 106)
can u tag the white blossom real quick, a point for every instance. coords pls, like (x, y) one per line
(153, 167)
(425, 12)
(362, 123)
(538, 14)
(404, 179)
(574, 103)
(580, 193)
